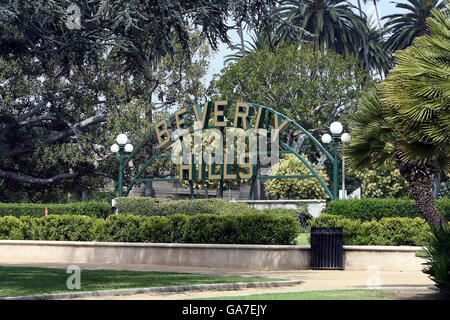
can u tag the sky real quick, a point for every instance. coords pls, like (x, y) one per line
(385, 7)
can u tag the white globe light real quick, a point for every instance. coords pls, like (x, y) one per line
(128, 147)
(336, 127)
(114, 148)
(122, 139)
(346, 137)
(326, 138)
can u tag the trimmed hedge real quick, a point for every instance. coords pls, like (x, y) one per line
(243, 228)
(160, 207)
(370, 209)
(302, 215)
(91, 209)
(385, 232)
(202, 228)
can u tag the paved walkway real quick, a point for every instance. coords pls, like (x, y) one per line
(311, 280)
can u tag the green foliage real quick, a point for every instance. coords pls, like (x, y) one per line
(244, 229)
(261, 228)
(419, 93)
(52, 121)
(378, 58)
(444, 191)
(301, 215)
(301, 83)
(438, 264)
(369, 209)
(172, 208)
(385, 232)
(122, 228)
(407, 118)
(157, 229)
(160, 207)
(328, 23)
(406, 26)
(91, 209)
(59, 227)
(11, 228)
(383, 182)
(178, 222)
(67, 228)
(309, 188)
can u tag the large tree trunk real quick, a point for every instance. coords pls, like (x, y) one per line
(418, 177)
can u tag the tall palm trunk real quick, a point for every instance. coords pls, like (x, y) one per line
(241, 37)
(377, 13)
(418, 177)
(148, 190)
(366, 51)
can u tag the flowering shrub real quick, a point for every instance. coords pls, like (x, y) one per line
(383, 182)
(294, 188)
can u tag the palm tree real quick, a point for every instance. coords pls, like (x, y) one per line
(404, 27)
(259, 41)
(407, 119)
(377, 13)
(378, 58)
(364, 40)
(332, 24)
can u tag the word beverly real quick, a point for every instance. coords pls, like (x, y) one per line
(213, 120)
(242, 114)
(247, 309)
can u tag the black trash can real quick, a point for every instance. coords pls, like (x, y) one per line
(326, 248)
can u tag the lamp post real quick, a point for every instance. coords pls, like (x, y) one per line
(336, 129)
(121, 147)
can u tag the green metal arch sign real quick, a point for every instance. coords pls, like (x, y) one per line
(215, 115)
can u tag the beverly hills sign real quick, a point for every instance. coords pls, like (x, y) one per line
(223, 140)
(209, 140)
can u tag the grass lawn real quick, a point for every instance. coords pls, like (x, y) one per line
(318, 295)
(20, 281)
(302, 239)
(422, 254)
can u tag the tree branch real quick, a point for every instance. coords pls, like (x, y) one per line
(11, 149)
(34, 180)
(38, 119)
(33, 111)
(52, 138)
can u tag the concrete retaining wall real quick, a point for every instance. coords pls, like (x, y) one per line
(258, 257)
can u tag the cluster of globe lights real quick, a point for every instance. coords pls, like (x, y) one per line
(122, 141)
(336, 129)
